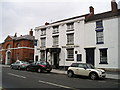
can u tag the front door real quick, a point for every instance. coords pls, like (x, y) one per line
(56, 60)
(90, 55)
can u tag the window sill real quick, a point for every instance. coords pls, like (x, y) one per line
(69, 30)
(70, 59)
(103, 63)
(55, 45)
(69, 44)
(100, 43)
(43, 35)
(55, 32)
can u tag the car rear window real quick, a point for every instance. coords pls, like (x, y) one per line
(74, 65)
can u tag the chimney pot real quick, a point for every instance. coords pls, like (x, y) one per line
(31, 32)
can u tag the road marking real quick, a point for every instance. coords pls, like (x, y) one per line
(102, 81)
(57, 85)
(16, 75)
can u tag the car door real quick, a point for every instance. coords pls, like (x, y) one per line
(82, 70)
(17, 65)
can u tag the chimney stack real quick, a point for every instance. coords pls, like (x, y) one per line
(15, 35)
(114, 6)
(91, 9)
(46, 23)
(31, 32)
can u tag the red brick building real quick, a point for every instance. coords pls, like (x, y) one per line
(17, 48)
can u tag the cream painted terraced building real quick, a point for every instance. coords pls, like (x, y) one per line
(90, 38)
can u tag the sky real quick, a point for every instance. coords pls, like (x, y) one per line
(19, 16)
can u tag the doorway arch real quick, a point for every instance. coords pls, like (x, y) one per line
(8, 55)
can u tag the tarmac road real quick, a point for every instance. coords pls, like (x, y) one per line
(12, 79)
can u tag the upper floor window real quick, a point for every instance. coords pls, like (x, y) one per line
(70, 26)
(70, 38)
(55, 29)
(99, 24)
(100, 37)
(99, 32)
(8, 46)
(55, 40)
(18, 45)
(43, 42)
(43, 31)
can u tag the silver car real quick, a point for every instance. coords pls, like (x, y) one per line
(19, 65)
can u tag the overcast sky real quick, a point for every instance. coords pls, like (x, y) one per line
(22, 15)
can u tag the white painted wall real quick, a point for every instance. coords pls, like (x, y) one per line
(119, 41)
(85, 37)
(110, 41)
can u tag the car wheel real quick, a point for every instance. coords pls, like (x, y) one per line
(39, 70)
(70, 73)
(11, 67)
(27, 69)
(19, 68)
(93, 76)
(48, 71)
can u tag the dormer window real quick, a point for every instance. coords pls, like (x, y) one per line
(55, 29)
(70, 26)
(43, 31)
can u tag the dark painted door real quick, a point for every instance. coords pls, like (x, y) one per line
(56, 60)
(90, 55)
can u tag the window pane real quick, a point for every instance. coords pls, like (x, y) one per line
(43, 42)
(103, 56)
(70, 39)
(55, 40)
(70, 26)
(99, 37)
(70, 53)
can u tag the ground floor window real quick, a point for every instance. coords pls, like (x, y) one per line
(43, 55)
(70, 54)
(103, 56)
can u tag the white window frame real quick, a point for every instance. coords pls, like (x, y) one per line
(70, 26)
(56, 29)
(43, 42)
(55, 40)
(70, 38)
(43, 31)
(103, 56)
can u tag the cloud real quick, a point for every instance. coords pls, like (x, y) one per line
(22, 15)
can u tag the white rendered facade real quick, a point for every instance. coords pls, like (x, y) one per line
(87, 39)
(84, 37)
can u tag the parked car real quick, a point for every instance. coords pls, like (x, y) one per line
(39, 66)
(19, 65)
(85, 69)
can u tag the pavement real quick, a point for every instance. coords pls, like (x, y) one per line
(109, 75)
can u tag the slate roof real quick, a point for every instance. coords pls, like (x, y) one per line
(103, 15)
(24, 37)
